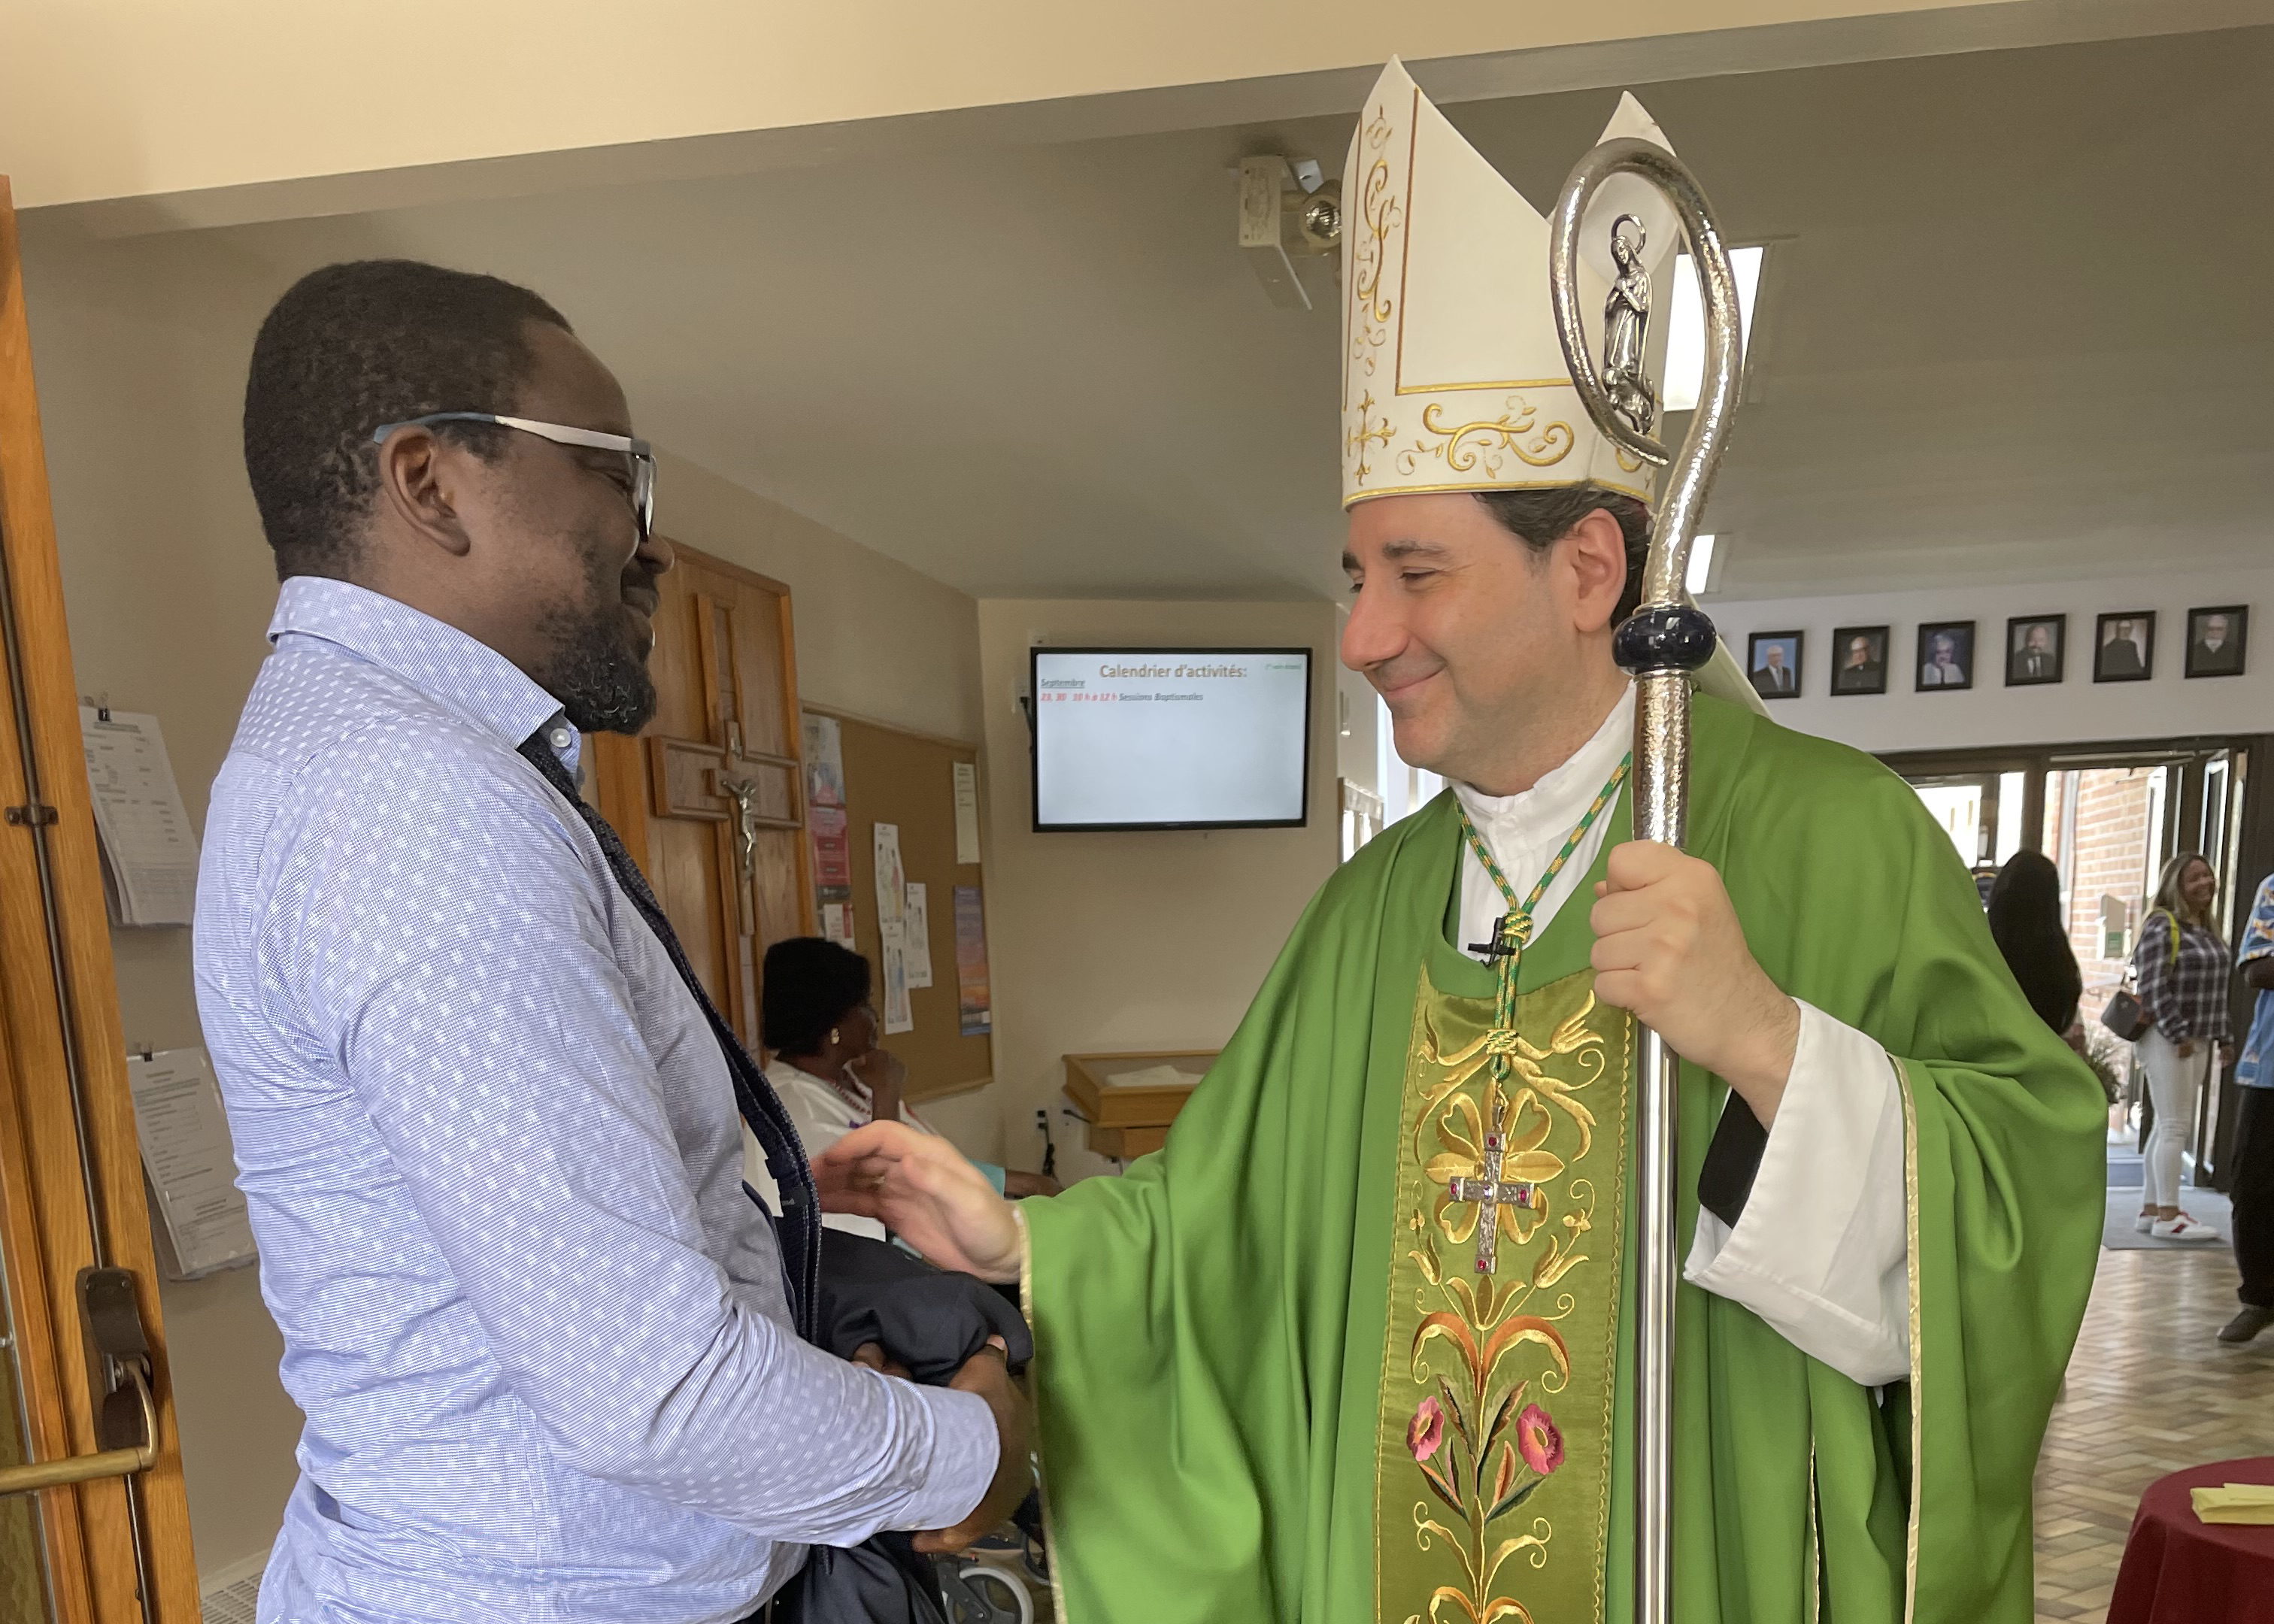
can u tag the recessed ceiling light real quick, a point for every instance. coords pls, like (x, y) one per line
(1701, 564)
(1685, 340)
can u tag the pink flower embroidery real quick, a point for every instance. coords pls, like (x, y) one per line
(1538, 1440)
(1425, 1434)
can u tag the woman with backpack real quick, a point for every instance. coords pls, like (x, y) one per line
(2181, 966)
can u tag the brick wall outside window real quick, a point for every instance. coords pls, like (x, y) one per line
(2110, 860)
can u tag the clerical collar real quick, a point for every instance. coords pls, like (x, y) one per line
(1557, 801)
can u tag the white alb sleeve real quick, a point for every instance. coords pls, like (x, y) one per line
(1821, 1250)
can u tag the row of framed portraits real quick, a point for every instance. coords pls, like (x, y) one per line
(2035, 651)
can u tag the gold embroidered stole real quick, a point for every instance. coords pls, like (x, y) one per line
(1492, 1448)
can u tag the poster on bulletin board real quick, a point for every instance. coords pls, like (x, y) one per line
(916, 920)
(975, 1007)
(828, 827)
(912, 837)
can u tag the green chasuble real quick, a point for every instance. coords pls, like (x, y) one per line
(1273, 1385)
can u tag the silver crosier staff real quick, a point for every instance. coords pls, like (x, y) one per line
(1667, 640)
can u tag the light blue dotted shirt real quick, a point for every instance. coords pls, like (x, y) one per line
(494, 1165)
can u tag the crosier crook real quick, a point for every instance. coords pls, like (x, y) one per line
(1661, 646)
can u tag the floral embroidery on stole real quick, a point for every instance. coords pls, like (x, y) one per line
(1494, 1436)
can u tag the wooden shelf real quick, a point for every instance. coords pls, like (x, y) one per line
(1125, 1144)
(1126, 1122)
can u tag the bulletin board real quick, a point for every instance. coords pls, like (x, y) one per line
(893, 775)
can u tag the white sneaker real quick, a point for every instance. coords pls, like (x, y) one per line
(2183, 1228)
(2144, 1222)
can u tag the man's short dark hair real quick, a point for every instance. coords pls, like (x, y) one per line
(1543, 517)
(351, 347)
(811, 984)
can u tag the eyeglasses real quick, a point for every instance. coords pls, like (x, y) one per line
(641, 453)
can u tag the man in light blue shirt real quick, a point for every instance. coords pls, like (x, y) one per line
(546, 1344)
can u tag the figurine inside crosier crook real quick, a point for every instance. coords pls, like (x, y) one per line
(1663, 646)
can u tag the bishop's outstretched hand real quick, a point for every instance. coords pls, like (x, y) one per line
(924, 1190)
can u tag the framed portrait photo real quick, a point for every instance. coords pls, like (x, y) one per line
(1946, 657)
(1773, 661)
(2215, 639)
(2124, 646)
(1859, 659)
(2037, 649)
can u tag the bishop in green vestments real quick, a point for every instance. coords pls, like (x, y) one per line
(1356, 1346)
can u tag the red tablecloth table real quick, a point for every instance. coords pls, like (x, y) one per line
(2178, 1570)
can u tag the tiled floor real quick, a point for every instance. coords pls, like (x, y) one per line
(2149, 1390)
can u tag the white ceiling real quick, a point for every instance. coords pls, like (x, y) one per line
(2016, 328)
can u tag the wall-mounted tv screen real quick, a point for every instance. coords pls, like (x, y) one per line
(1170, 738)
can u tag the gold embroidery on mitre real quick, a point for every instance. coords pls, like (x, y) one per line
(1517, 431)
(1371, 306)
(1379, 208)
(1364, 435)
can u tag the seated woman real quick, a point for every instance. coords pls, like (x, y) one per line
(823, 1059)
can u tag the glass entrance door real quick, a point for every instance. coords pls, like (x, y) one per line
(2111, 825)
(2109, 817)
(1985, 813)
(2107, 829)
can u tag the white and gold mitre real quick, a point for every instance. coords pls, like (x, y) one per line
(1452, 376)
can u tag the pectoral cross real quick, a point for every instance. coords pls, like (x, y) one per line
(1510, 933)
(1488, 1193)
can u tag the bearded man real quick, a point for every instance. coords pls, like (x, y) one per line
(555, 1364)
(1357, 1345)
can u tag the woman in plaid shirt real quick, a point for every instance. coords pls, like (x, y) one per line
(2182, 967)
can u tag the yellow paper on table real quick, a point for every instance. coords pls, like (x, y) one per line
(2234, 1502)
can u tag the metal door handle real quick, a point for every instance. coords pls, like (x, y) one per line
(102, 1463)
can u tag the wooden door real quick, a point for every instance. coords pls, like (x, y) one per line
(710, 798)
(93, 1522)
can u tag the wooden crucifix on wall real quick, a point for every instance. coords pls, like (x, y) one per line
(714, 789)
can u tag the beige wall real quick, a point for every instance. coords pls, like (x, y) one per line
(152, 99)
(1133, 941)
(874, 638)
(140, 348)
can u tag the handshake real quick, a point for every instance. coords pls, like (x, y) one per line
(988, 1374)
(882, 1309)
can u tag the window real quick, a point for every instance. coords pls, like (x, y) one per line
(1404, 789)
(1685, 340)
